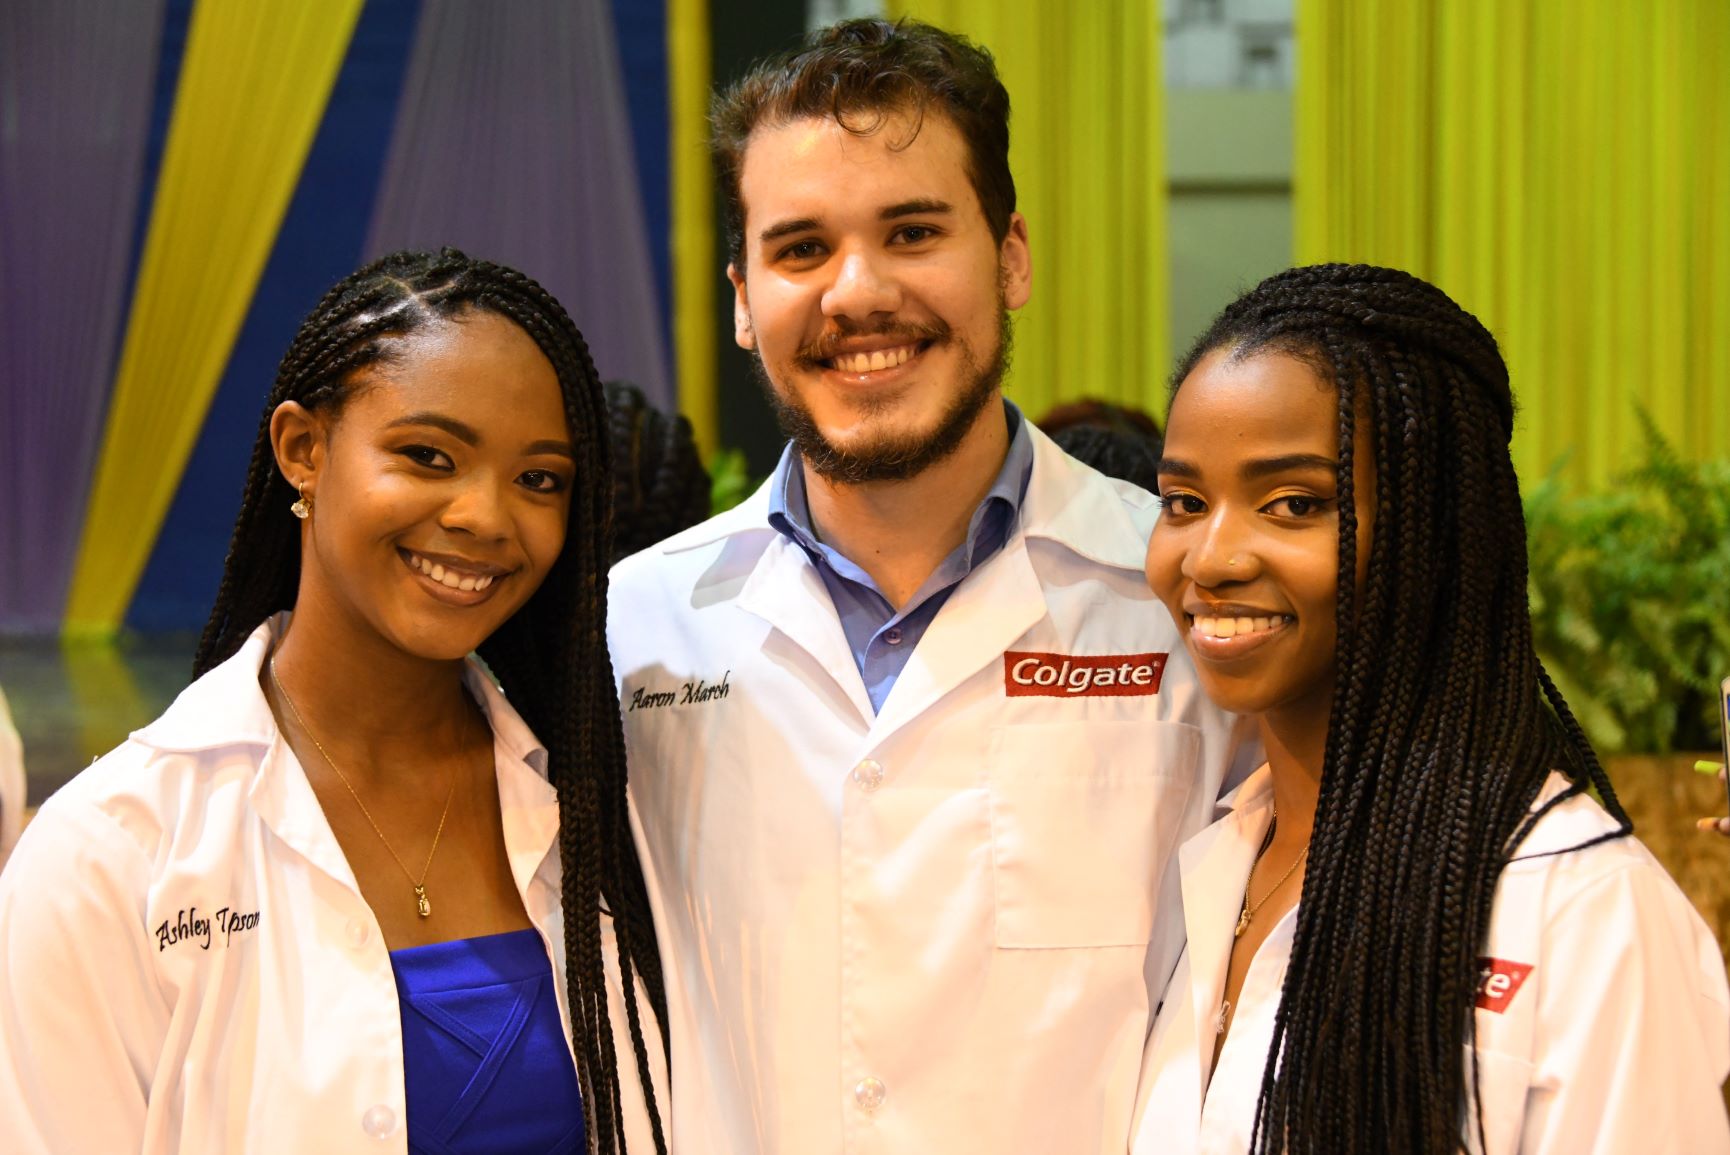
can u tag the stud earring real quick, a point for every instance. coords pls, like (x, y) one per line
(303, 507)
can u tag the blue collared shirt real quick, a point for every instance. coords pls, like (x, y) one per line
(881, 639)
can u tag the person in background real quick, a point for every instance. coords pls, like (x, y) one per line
(348, 893)
(1414, 929)
(659, 484)
(12, 782)
(1118, 441)
(911, 743)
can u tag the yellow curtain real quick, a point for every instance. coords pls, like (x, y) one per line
(696, 270)
(1087, 147)
(253, 87)
(1562, 168)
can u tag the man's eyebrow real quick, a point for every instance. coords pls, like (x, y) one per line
(1290, 463)
(787, 228)
(918, 207)
(450, 425)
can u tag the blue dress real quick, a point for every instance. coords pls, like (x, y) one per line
(484, 1054)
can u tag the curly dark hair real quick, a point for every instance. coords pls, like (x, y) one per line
(550, 657)
(859, 72)
(1444, 725)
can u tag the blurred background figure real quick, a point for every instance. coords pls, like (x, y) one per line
(1118, 441)
(659, 484)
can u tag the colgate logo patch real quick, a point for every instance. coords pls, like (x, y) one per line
(1028, 674)
(1498, 982)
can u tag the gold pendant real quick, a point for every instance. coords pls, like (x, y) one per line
(1242, 924)
(421, 903)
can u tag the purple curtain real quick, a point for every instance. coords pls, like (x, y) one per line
(513, 143)
(76, 84)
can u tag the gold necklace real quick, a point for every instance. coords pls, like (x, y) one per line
(1248, 910)
(422, 906)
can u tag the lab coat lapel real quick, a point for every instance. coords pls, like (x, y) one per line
(1215, 865)
(284, 800)
(786, 591)
(992, 607)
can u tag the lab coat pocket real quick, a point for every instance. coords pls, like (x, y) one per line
(1084, 819)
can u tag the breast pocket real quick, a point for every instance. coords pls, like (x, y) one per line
(1084, 818)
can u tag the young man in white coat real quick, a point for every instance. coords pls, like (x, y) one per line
(912, 745)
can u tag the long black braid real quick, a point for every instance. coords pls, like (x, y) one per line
(550, 657)
(1444, 724)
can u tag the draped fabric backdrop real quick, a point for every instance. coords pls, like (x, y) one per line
(252, 89)
(1087, 147)
(75, 84)
(514, 144)
(695, 259)
(1562, 168)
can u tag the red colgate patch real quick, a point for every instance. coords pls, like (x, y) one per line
(1498, 982)
(1028, 674)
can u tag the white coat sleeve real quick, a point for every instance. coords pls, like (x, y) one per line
(81, 1017)
(1633, 1038)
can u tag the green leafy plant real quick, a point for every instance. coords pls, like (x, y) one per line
(1630, 599)
(729, 480)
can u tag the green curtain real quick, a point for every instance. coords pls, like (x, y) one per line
(1087, 147)
(1562, 168)
(252, 90)
(692, 195)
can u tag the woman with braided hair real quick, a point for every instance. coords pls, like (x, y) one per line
(353, 890)
(1413, 930)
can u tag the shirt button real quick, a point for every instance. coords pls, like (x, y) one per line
(356, 932)
(868, 774)
(892, 635)
(379, 1121)
(869, 1094)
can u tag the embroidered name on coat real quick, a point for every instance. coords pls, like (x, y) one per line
(188, 926)
(1498, 982)
(692, 693)
(1027, 674)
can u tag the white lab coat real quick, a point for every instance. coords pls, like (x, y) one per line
(941, 928)
(275, 1033)
(1603, 1026)
(12, 783)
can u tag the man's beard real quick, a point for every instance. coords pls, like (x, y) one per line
(892, 456)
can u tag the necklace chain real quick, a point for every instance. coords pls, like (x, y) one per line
(422, 906)
(1248, 910)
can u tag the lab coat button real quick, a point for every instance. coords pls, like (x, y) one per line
(869, 774)
(869, 1094)
(356, 932)
(379, 1121)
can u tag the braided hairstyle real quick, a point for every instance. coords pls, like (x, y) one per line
(659, 484)
(1444, 724)
(550, 657)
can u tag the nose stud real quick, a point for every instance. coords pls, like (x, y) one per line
(1231, 561)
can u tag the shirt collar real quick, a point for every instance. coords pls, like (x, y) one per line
(790, 510)
(1248, 795)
